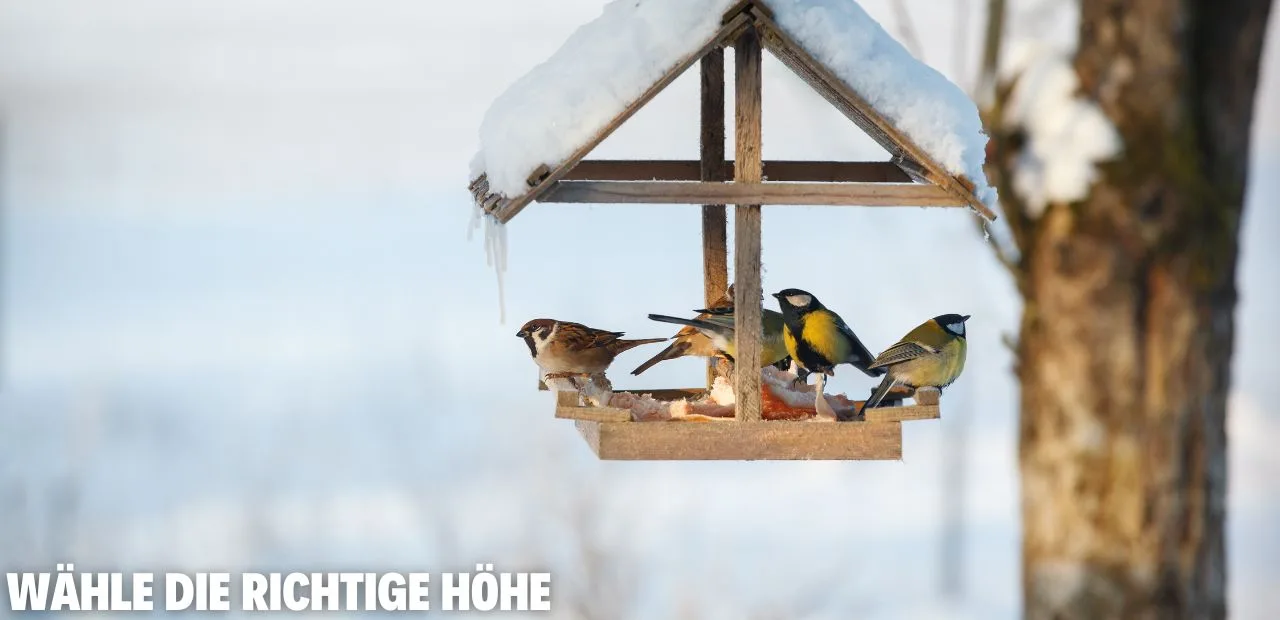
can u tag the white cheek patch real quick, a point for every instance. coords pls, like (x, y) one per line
(799, 301)
(956, 328)
(541, 337)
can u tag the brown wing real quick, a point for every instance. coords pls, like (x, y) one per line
(579, 337)
(690, 341)
(901, 352)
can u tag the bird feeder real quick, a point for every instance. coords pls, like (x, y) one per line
(914, 176)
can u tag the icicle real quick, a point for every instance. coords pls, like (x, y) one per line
(495, 251)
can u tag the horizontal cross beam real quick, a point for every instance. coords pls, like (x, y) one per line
(690, 192)
(785, 171)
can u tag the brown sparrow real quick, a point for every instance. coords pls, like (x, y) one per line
(690, 341)
(563, 347)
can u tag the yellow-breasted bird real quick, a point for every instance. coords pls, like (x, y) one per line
(818, 339)
(931, 355)
(689, 341)
(717, 325)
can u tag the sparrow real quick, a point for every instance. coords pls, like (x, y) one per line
(716, 324)
(931, 355)
(689, 341)
(564, 347)
(818, 339)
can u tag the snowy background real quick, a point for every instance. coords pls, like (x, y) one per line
(243, 328)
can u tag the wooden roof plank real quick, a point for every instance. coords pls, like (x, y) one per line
(697, 192)
(508, 209)
(786, 171)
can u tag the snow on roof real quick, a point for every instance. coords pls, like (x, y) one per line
(921, 102)
(603, 67)
(608, 63)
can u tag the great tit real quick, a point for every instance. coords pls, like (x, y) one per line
(931, 355)
(818, 339)
(717, 325)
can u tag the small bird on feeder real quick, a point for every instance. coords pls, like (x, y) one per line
(566, 348)
(689, 341)
(818, 339)
(718, 326)
(931, 355)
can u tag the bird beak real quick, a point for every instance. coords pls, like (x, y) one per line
(776, 295)
(521, 334)
(964, 318)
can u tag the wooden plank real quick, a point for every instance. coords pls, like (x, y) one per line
(594, 414)
(736, 9)
(927, 396)
(746, 235)
(537, 175)
(743, 440)
(715, 235)
(507, 208)
(697, 192)
(903, 414)
(854, 106)
(787, 171)
(568, 407)
(650, 169)
(834, 172)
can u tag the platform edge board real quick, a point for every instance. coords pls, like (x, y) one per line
(594, 414)
(904, 413)
(590, 432)
(744, 441)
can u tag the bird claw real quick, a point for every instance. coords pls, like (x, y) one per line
(801, 380)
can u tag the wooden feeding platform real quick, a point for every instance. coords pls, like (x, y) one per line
(910, 178)
(613, 434)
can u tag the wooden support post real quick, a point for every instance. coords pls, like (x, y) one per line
(715, 253)
(746, 237)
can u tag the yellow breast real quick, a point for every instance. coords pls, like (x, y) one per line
(822, 332)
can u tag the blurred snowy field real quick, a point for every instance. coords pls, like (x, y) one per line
(243, 327)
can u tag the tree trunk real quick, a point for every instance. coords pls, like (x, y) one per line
(1126, 339)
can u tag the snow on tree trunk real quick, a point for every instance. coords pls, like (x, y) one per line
(1126, 339)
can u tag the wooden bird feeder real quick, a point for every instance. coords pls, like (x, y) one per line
(910, 178)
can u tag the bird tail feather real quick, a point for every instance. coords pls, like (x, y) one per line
(886, 385)
(624, 345)
(695, 323)
(677, 349)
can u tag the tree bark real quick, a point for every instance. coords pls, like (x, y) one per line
(1127, 334)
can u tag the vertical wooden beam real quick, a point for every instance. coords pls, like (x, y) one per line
(748, 168)
(715, 253)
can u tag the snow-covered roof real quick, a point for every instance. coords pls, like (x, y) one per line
(567, 104)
